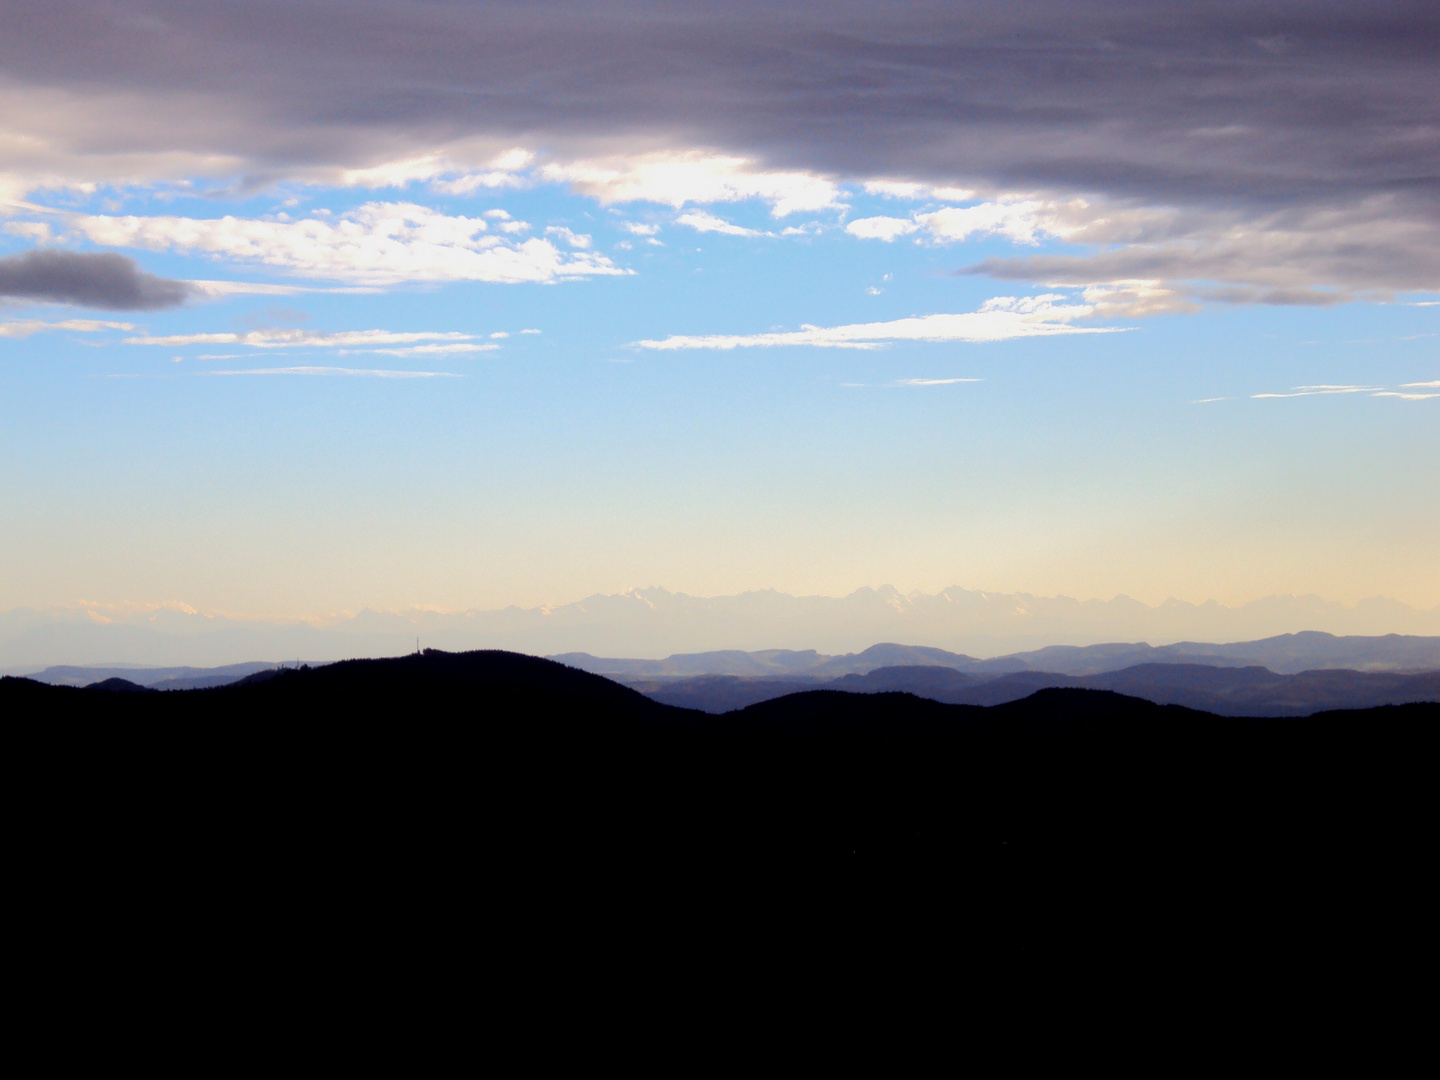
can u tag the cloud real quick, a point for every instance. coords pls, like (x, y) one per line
(37, 232)
(1313, 391)
(694, 177)
(529, 331)
(675, 103)
(575, 240)
(20, 328)
(703, 222)
(1024, 220)
(638, 229)
(312, 339)
(219, 290)
(907, 189)
(934, 382)
(97, 280)
(361, 372)
(426, 350)
(880, 228)
(1299, 256)
(1102, 97)
(1000, 319)
(375, 244)
(1373, 391)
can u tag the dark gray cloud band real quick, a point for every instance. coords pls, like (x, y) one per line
(1236, 115)
(95, 280)
(1219, 102)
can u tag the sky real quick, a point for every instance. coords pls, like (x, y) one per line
(308, 308)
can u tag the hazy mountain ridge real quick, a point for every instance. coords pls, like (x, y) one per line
(1225, 691)
(155, 678)
(1283, 654)
(656, 622)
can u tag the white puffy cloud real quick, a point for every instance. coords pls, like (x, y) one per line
(694, 177)
(1000, 319)
(499, 172)
(20, 328)
(1024, 220)
(881, 228)
(376, 244)
(37, 232)
(638, 229)
(704, 222)
(574, 239)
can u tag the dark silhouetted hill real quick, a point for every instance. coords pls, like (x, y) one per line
(118, 686)
(537, 808)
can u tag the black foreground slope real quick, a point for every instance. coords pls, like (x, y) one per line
(517, 821)
(526, 759)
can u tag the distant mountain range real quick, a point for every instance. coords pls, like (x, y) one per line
(1284, 654)
(1225, 691)
(154, 678)
(656, 622)
(1290, 675)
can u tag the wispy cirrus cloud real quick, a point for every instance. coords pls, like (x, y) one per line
(704, 222)
(364, 373)
(21, 328)
(220, 290)
(1407, 391)
(285, 338)
(427, 350)
(934, 382)
(1000, 319)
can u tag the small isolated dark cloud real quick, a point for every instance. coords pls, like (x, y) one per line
(96, 280)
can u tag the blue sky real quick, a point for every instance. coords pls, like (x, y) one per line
(1066, 434)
